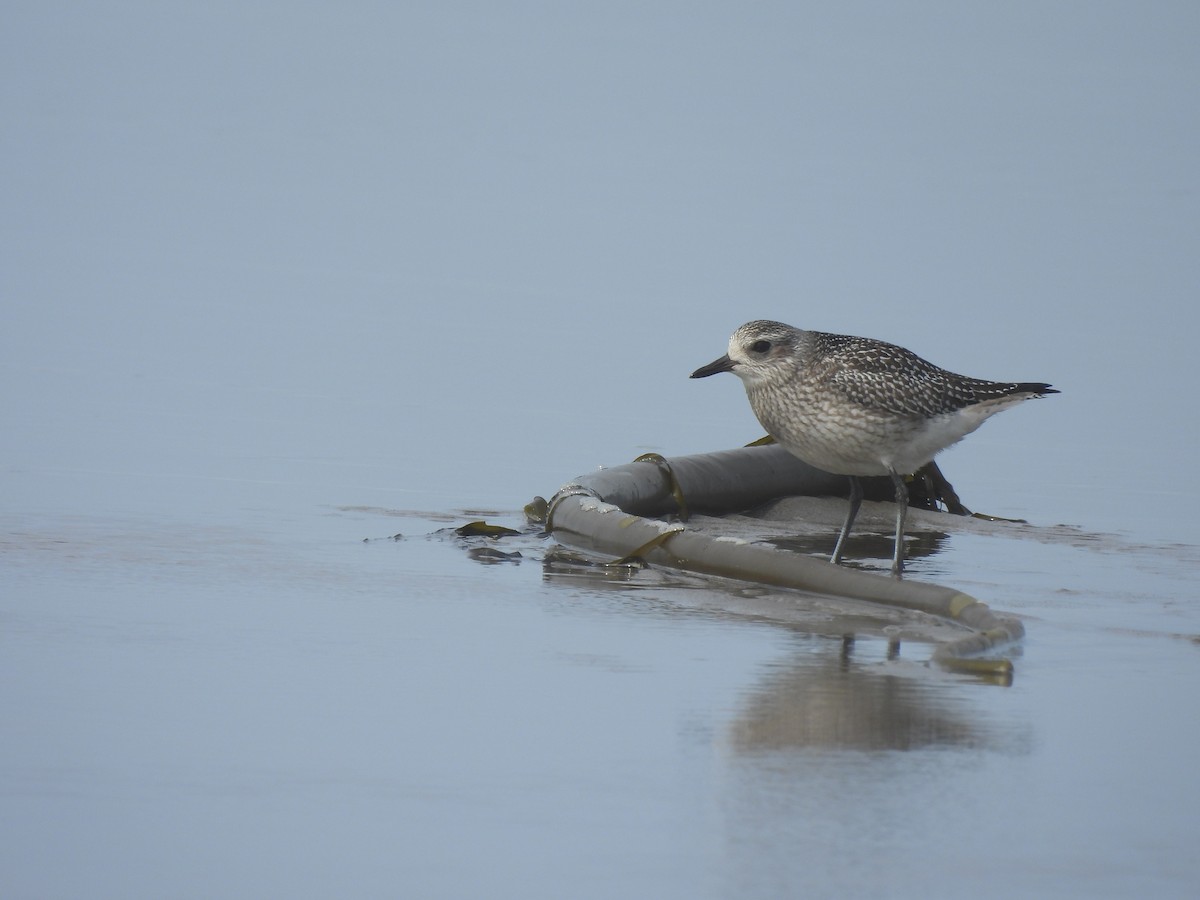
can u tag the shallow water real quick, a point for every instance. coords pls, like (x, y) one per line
(415, 719)
(278, 286)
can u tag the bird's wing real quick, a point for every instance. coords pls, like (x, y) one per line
(891, 379)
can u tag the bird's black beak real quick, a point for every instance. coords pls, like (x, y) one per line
(724, 364)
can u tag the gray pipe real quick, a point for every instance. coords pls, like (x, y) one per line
(605, 512)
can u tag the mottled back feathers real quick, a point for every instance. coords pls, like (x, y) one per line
(882, 376)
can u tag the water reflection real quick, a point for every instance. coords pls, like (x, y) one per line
(832, 700)
(858, 678)
(866, 546)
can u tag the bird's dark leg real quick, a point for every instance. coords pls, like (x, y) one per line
(855, 502)
(901, 512)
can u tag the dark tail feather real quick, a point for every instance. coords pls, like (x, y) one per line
(1034, 387)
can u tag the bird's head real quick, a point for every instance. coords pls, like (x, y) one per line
(758, 351)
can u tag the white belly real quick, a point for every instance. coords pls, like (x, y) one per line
(864, 442)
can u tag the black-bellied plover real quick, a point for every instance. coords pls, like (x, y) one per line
(855, 406)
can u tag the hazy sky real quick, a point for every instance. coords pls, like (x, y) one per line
(404, 236)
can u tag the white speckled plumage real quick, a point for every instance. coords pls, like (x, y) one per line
(855, 406)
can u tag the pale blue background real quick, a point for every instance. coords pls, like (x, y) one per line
(393, 238)
(261, 261)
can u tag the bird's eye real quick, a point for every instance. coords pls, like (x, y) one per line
(760, 346)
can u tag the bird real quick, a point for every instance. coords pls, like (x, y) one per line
(857, 406)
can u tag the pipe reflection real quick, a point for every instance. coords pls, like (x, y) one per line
(831, 700)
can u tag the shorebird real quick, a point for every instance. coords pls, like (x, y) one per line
(856, 406)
